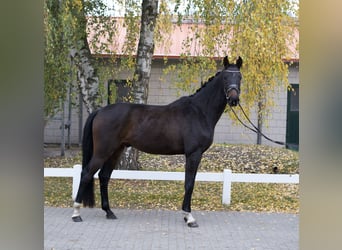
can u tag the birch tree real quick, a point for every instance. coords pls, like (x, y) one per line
(262, 34)
(145, 50)
(142, 73)
(67, 57)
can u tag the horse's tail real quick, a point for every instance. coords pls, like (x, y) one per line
(87, 152)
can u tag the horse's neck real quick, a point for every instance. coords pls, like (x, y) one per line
(211, 100)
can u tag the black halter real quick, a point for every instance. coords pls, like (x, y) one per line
(233, 85)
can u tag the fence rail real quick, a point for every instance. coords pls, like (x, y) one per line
(226, 177)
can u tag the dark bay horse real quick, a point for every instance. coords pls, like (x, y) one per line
(185, 126)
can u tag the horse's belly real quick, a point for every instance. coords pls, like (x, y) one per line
(161, 151)
(158, 143)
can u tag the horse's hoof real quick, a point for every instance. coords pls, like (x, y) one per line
(190, 224)
(111, 216)
(193, 224)
(77, 219)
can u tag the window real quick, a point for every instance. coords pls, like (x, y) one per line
(117, 91)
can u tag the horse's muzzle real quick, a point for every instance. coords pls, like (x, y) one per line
(233, 101)
(232, 96)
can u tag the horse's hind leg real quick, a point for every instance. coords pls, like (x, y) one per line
(104, 176)
(86, 187)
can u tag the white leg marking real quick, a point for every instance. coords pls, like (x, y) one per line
(189, 218)
(77, 207)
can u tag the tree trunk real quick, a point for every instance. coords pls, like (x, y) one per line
(87, 80)
(129, 159)
(145, 51)
(261, 110)
(259, 137)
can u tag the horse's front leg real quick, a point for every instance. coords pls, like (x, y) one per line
(192, 162)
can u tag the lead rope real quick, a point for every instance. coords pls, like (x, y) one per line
(254, 129)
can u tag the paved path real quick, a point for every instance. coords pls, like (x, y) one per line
(162, 229)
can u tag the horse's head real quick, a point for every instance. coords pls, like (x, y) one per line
(231, 77)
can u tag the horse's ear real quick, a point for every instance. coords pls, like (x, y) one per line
(239, 62)
(225, 61)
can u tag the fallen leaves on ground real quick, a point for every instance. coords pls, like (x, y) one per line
(238, 158)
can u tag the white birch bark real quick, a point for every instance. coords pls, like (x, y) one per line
(129, 159)
(87, 80)
(145, 51)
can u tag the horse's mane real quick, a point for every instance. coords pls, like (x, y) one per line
(206, 83)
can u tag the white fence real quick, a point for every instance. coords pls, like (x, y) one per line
(227, 177)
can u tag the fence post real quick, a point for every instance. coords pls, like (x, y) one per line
(227, 185)
(76, 178)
